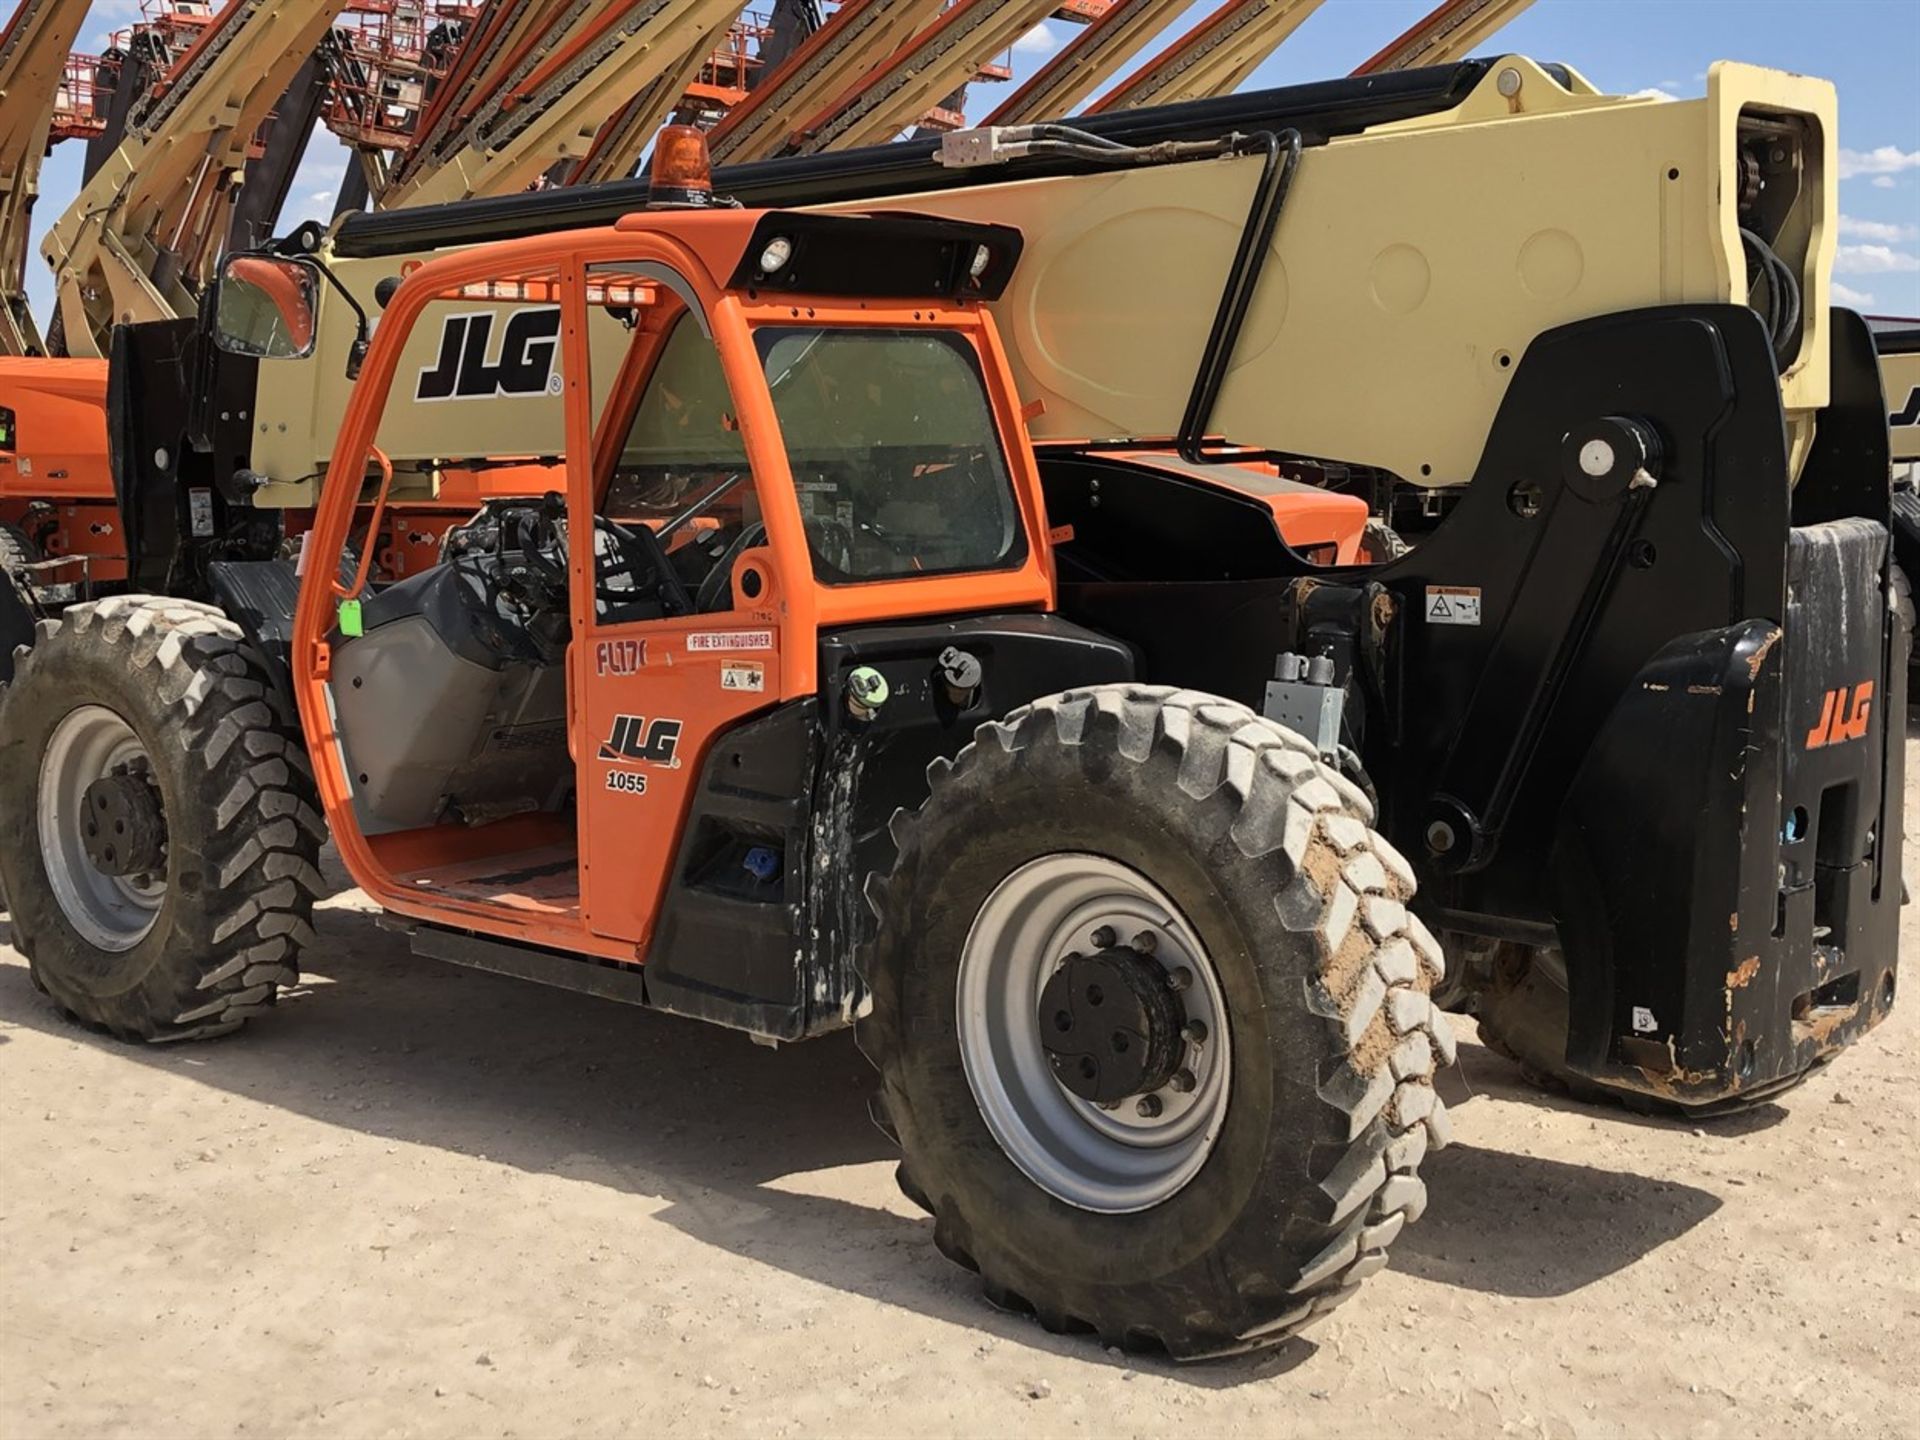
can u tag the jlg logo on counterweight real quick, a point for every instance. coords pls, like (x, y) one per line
(1840, 719)
(1907, 415)
(524, 365)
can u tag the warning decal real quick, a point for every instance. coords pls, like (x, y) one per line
(1453, 604)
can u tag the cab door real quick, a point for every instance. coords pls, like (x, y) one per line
(661, 664)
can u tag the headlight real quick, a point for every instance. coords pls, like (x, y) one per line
(779, 250)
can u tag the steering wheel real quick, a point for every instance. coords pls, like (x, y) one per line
(542, 544)
(719, 580)
(646, 564)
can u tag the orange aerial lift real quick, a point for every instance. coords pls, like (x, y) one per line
(390, 58)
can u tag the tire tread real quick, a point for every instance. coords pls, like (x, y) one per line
(1377, 964)
(262, 850)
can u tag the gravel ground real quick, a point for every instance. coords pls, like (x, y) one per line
(420, 1201)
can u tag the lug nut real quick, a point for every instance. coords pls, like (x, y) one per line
(1180, 977)
(1148, 1108)
(1183, 1082)
(1196, 1032)
(1146, 942)
(1103, 938)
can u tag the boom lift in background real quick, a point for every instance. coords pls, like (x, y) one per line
(557, 87)
(1453, 30)
(1213, 58)
(1087, 62)
(40, 87)
(857, 36)
(140, 241)
(919, 75)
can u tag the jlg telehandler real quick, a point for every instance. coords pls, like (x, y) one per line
(1150, 1012)
(798, 689)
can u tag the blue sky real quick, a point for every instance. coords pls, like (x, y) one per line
(1869, 48)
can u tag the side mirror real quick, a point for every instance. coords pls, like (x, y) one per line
(266, 307)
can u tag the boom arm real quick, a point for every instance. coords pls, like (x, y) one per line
(1213, 58)
(822, 66)
(621, 140)
(555, 96)
(919, 75)
(1091, 59)
(1449, 32)
(1402, 288)
(140, 240)
(33, 59)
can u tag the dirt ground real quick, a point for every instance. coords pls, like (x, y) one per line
(420, 1201)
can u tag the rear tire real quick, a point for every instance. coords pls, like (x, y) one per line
(1382, 544)
(16, 615)
(163, 704)
(1266, 860)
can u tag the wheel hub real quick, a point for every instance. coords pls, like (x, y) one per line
(124, 831)
(1119, 1109)
(1111, 1025)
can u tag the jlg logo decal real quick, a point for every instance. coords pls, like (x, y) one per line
(1909, 414)
(524, 365)
(634, 740)
(1841, 720)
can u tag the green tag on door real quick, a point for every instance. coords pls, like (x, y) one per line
(350, 622)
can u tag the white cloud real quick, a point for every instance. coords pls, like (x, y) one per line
(1874, 229)
(1652, 92)
(1883, 182)
(1873, 260)
(321, 197)
(1847, 295)
(1881, 160)
(1038, 41)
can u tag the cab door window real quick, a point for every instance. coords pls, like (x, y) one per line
(681, 471)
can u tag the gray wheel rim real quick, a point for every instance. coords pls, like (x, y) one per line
(1112, 1161)
(110, 912)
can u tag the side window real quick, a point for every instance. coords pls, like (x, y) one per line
(679, 470)
(896, 458)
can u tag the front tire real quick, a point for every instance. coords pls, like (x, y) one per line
(1251, 866)
(163, 876)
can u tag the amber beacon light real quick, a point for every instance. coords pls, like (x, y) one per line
(682, 170)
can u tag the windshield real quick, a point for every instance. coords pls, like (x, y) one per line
(895, 457)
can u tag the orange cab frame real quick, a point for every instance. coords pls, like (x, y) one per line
(700, 249)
